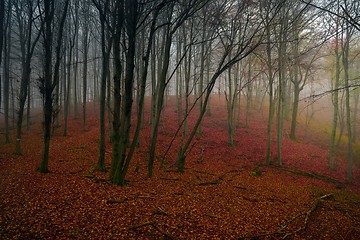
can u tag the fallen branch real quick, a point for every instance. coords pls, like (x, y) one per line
(306, 215)
(217, 181)
(240, 187)
(315, 175)
(212, 216)
(169, 179)
(75, 172)
(116, 201)
(250, 199)
(145, 196)
(154, 226)
(283, 228)
(98, 180)
(209, 183)
(309, 175)
(160, 212)
(204, 172)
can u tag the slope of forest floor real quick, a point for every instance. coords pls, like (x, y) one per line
(225, 192)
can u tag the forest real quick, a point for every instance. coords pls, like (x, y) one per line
(179, 119)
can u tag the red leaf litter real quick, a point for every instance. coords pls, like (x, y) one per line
(225, 192)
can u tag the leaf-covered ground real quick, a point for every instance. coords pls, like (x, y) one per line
(225, 192)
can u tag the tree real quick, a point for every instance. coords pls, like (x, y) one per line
(85, 43)
(305, 48)
(7, 51)
(270, 76)
(69, 46)
(51, 74)
(131, 19)
(175, 14)
(237, 41)
(26, 24)
(345, 48)
(118, 21)
(106, 45)
(335, 95)
(2, 24)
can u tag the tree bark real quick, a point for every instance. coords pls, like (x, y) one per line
(50, 80)
(85, 61)
(7, 51)
(27, 47)
(2, 24)
(335, 99)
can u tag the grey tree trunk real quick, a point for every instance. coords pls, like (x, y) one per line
(2, 24)
(159, 100)
(67, 82)
(118, 19)
(269, 62)
(7, 51)
(27, 46)
(282, 36)
(76, 60)
(85, 61)
(106, 45)
(335, 99)
(51, 77)
(345, 60)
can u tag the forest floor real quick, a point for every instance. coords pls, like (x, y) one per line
(225, 192)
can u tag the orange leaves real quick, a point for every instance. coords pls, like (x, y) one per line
(65, 204)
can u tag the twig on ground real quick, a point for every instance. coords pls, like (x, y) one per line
(154, 225)
(76, 171)
(110, 201)
(169, 179)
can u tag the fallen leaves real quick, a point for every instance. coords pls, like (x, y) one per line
(216, 198)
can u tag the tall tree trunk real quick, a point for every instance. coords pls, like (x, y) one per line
(51, 77)
(335, 99)
(345, 51)
(295, 111)
(187, 74)
(106, 49)
(130, 24)
(248, 94)
(179, 86)
(85, 63)
(355, 115)
(7, 51)
(2, 23)
(271, 93)
(106, 45)
(76, 60)
(281, 86)
(160, 94)
(67, 82)
(28, 108)
(118, 19)
(159, 104)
